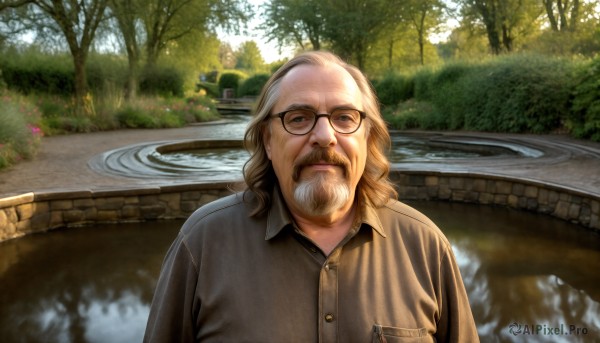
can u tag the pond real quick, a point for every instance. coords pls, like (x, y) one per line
(222, 159)
(95, 284)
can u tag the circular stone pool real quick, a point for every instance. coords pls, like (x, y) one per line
(95, 284)
(217, 160)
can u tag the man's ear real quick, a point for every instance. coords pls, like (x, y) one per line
(266, 134)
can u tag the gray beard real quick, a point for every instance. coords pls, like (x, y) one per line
(318, 196)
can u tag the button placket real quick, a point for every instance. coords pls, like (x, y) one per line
(328, 298)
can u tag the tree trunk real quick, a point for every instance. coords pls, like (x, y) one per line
(83, 101)
(553, 23)
(132, 77)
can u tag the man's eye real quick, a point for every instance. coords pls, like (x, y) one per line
(344, 117)
(298, 117)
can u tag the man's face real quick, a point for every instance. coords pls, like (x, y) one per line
(317, 172)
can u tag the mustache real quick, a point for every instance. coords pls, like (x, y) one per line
(319, 155)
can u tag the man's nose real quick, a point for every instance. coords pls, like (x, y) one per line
(323, 133)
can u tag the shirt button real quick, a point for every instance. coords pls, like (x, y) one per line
(329, 317)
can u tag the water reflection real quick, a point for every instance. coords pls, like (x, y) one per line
(96, 284)
(81, 285)
(523, 268)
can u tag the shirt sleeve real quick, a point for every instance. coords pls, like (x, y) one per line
(456, 323)
(172, 311)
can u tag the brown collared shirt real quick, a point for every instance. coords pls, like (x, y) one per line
(229, 277)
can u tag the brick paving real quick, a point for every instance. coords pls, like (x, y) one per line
(62, 162)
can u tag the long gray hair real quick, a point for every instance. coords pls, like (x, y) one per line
(374, 185)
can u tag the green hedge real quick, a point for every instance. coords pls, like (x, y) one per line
(520, 93)
(33, 72)
(584, 120)
(163, 81)
(231, 79)
(393, 89)
(253, 85)
(29, 73)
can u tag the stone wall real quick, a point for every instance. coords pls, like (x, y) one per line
(42, 211)
(38, 212)
(557, 201)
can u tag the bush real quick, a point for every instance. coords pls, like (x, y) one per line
(527, 93)
(19, 134)
(34, 72)
(231, 80)
(152, 113)
(584, 120)
(518, 93)
(161, 81)
(393, 89)
(135, 117)
(253, 85)
(106, 72)
(412, 114)
(211, 89)
(421, 81)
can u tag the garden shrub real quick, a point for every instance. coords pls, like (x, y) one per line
(253, 85)
(135, 117)
(584, 120)
(154, 113)
(211, 89)
(106, 71)
(527, 93)
(19, 134)
(231, 79)
(411, 114)
(448, 90)
(393, 89)
(162, 81)
(421, 82)
(34, 72)
(518, 93)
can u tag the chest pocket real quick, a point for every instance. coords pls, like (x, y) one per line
(389, 334)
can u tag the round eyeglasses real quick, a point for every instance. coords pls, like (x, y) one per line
(302, 121)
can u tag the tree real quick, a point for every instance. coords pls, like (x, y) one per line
(166, 21)
(504, 20)
(155, 26)
(78, 21)
(227, 56)
(125, 12)
(423, 16)
(562, 15)
(248, 57)
(294, 22)
(12, 3)
(348, 27)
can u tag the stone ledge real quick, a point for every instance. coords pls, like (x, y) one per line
(16, 200)
(38, 212)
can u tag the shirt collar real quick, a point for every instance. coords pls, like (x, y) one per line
(279, 217)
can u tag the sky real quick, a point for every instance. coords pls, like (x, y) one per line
(269, 50)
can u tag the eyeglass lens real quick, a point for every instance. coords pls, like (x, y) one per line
(302, 121)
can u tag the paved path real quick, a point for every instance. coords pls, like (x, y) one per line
(62, 163)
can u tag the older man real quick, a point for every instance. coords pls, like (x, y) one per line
(316, 249)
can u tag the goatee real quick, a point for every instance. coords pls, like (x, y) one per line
(322, 193)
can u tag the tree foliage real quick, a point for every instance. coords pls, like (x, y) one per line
(248, 57)
(298, 22)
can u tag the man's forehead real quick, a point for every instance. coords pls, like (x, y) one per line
(331, 70)
(316, 80)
